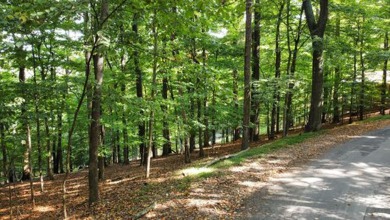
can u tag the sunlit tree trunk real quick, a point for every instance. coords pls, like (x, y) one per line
(247, 76)
(317, 31)
(362, 69)
(337, 80)
(236, 130)
(254, 130)
(139, 87)
(351, 107)
(384, 77)
(98, 62)
(278, 60)
(152, 94)
(291, 65)
(3, 150)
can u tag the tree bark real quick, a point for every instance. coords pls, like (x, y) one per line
(167, 148)
(152, 93)
(317, 31)
(236, 129)
(98, 62)
(337, 79)
(362, 69)
(384, 77)
(4, 150)
(59, 144)
(292, 61)
(254, 130)
(351, 107)
(278, 61)
(139, 87)
(247, 76)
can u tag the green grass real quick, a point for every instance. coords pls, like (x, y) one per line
(377, 118)
(265, 149)
(199, 171)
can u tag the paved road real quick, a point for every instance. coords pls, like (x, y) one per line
(351, 181)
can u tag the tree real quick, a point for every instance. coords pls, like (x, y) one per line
(317, 31)
(384, 77)
(98, 61)
(247, 76)
(254, 129)
(291, 66)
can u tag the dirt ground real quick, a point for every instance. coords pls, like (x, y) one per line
(126, 194)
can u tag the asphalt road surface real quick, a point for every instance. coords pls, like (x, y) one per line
(351, 181)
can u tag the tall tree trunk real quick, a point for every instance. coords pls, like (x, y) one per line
(247, 76)
(152, 93)
(317, 31)
(4, 150)
(337, 79)
(384, 77)
(292, 61)
(327, 91)
(98, 62)
(236, 129)
(39, 143)
(139, 87)
(362, 69)
(37, 121)
(59, 144)
(278, 61)
(351, 109)
(28, 143)
(167, 148)
(124, 116)
(49, 150)
(26, 169)
(199, 112)
(254, 130)
(206, 135)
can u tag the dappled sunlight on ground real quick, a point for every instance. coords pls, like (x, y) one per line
(224, 194)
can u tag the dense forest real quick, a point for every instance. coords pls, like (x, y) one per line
(91, 83)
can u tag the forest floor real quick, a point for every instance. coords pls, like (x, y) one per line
(172, 192)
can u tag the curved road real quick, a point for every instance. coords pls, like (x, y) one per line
(351, 181)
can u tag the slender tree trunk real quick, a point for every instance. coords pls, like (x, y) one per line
(95, 130)
(26, 171)
(59, 143)
(98, 62)
(327, 92)
(30, 165)
(124, 116)
(337, 79)
(292, 61)
(384, 77)
(206, 135)
(139, 87)
(362, 69)
(247, 75)
(151, 118)
(278, 61)
(351, 109)
(254, 130)
(167, 148)
(187, 154)
(118, 146)
(317, 31)
(4, 150)
(39, 144)
(236, 129)
(49, 150)
(199, 112)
